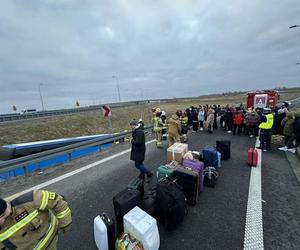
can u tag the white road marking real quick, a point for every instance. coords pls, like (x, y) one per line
(254, 223)
(57, 179)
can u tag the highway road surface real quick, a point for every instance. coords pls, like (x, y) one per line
(219, 219)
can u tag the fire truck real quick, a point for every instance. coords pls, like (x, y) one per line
(262, 99)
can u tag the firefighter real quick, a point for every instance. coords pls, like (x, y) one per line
(157, 127)
(31, 221)
(164, 131)
(174, 127)
(265, 129)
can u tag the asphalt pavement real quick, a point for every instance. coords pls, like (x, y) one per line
(218, 219)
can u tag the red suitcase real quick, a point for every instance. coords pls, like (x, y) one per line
(252, 157)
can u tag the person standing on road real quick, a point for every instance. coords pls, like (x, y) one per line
(237, 122)
(32, 220)
(265, 129)
(210, 119)
(174, 126)
(138, 149)
(201, 117)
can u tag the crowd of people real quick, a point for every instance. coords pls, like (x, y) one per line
(237, 120)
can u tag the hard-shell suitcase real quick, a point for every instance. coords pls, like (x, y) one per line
(104, 232)
(138, 184)
(197, 166)
(164, 171)
(123, 203)
(189, 181)
(219, 159)
(252, 158)
(210, 157)
(223, 147)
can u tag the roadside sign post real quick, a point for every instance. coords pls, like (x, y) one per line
(107, 114)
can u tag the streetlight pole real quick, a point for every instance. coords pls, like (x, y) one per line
(118, 88)
(41, 96)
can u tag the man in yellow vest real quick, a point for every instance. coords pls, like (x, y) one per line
(31, 221)
(265, 129)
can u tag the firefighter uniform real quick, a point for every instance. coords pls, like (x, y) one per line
(265, 131)
(34, 221)
(174, 127)
(157, 127)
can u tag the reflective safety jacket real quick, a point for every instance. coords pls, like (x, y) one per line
(34, 221)
(157, 124)
(269, 123)
(184, 120)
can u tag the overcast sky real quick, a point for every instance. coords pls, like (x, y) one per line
(156, 48)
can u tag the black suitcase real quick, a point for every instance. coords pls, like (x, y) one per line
(189, 181)
(104, 232)
(170, 204)
(148, 202)
(123, 203)
(138, 184)
(224, 148)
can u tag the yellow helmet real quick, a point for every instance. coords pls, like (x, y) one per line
(157, 110)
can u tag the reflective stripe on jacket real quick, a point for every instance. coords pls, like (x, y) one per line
(34, 221)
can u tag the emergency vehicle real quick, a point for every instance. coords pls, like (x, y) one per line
(262, 99)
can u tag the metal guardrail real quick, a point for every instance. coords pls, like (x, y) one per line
(22, 162)
(39, 114)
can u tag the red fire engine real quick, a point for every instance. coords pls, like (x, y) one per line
(262, 99)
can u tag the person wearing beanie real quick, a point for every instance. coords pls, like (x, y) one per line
(138, 149)
(32, 220)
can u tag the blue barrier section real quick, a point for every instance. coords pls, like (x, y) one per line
(85, 151)
(47, 163)
(51, 162)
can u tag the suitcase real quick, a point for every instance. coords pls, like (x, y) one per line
(104, 232)
(189, 181)
(164, 171)
(170, 205)
(210, 157)
(148, 202)
(123, 203)
(219, 159)
(252, 157)
(138, 184)
(196, 166)
(224, 148)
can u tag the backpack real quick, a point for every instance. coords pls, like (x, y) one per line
(210, 176)
(170, 203)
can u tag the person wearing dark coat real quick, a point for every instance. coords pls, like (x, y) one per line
(228, 118)
(138, 149)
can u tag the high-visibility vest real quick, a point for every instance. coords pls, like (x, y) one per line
(269, 123)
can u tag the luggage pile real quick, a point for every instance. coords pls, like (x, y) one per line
(137, 228)
(179, 183)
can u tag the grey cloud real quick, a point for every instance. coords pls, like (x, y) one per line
(162, 48)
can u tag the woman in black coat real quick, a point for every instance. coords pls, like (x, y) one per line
(138, 148)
